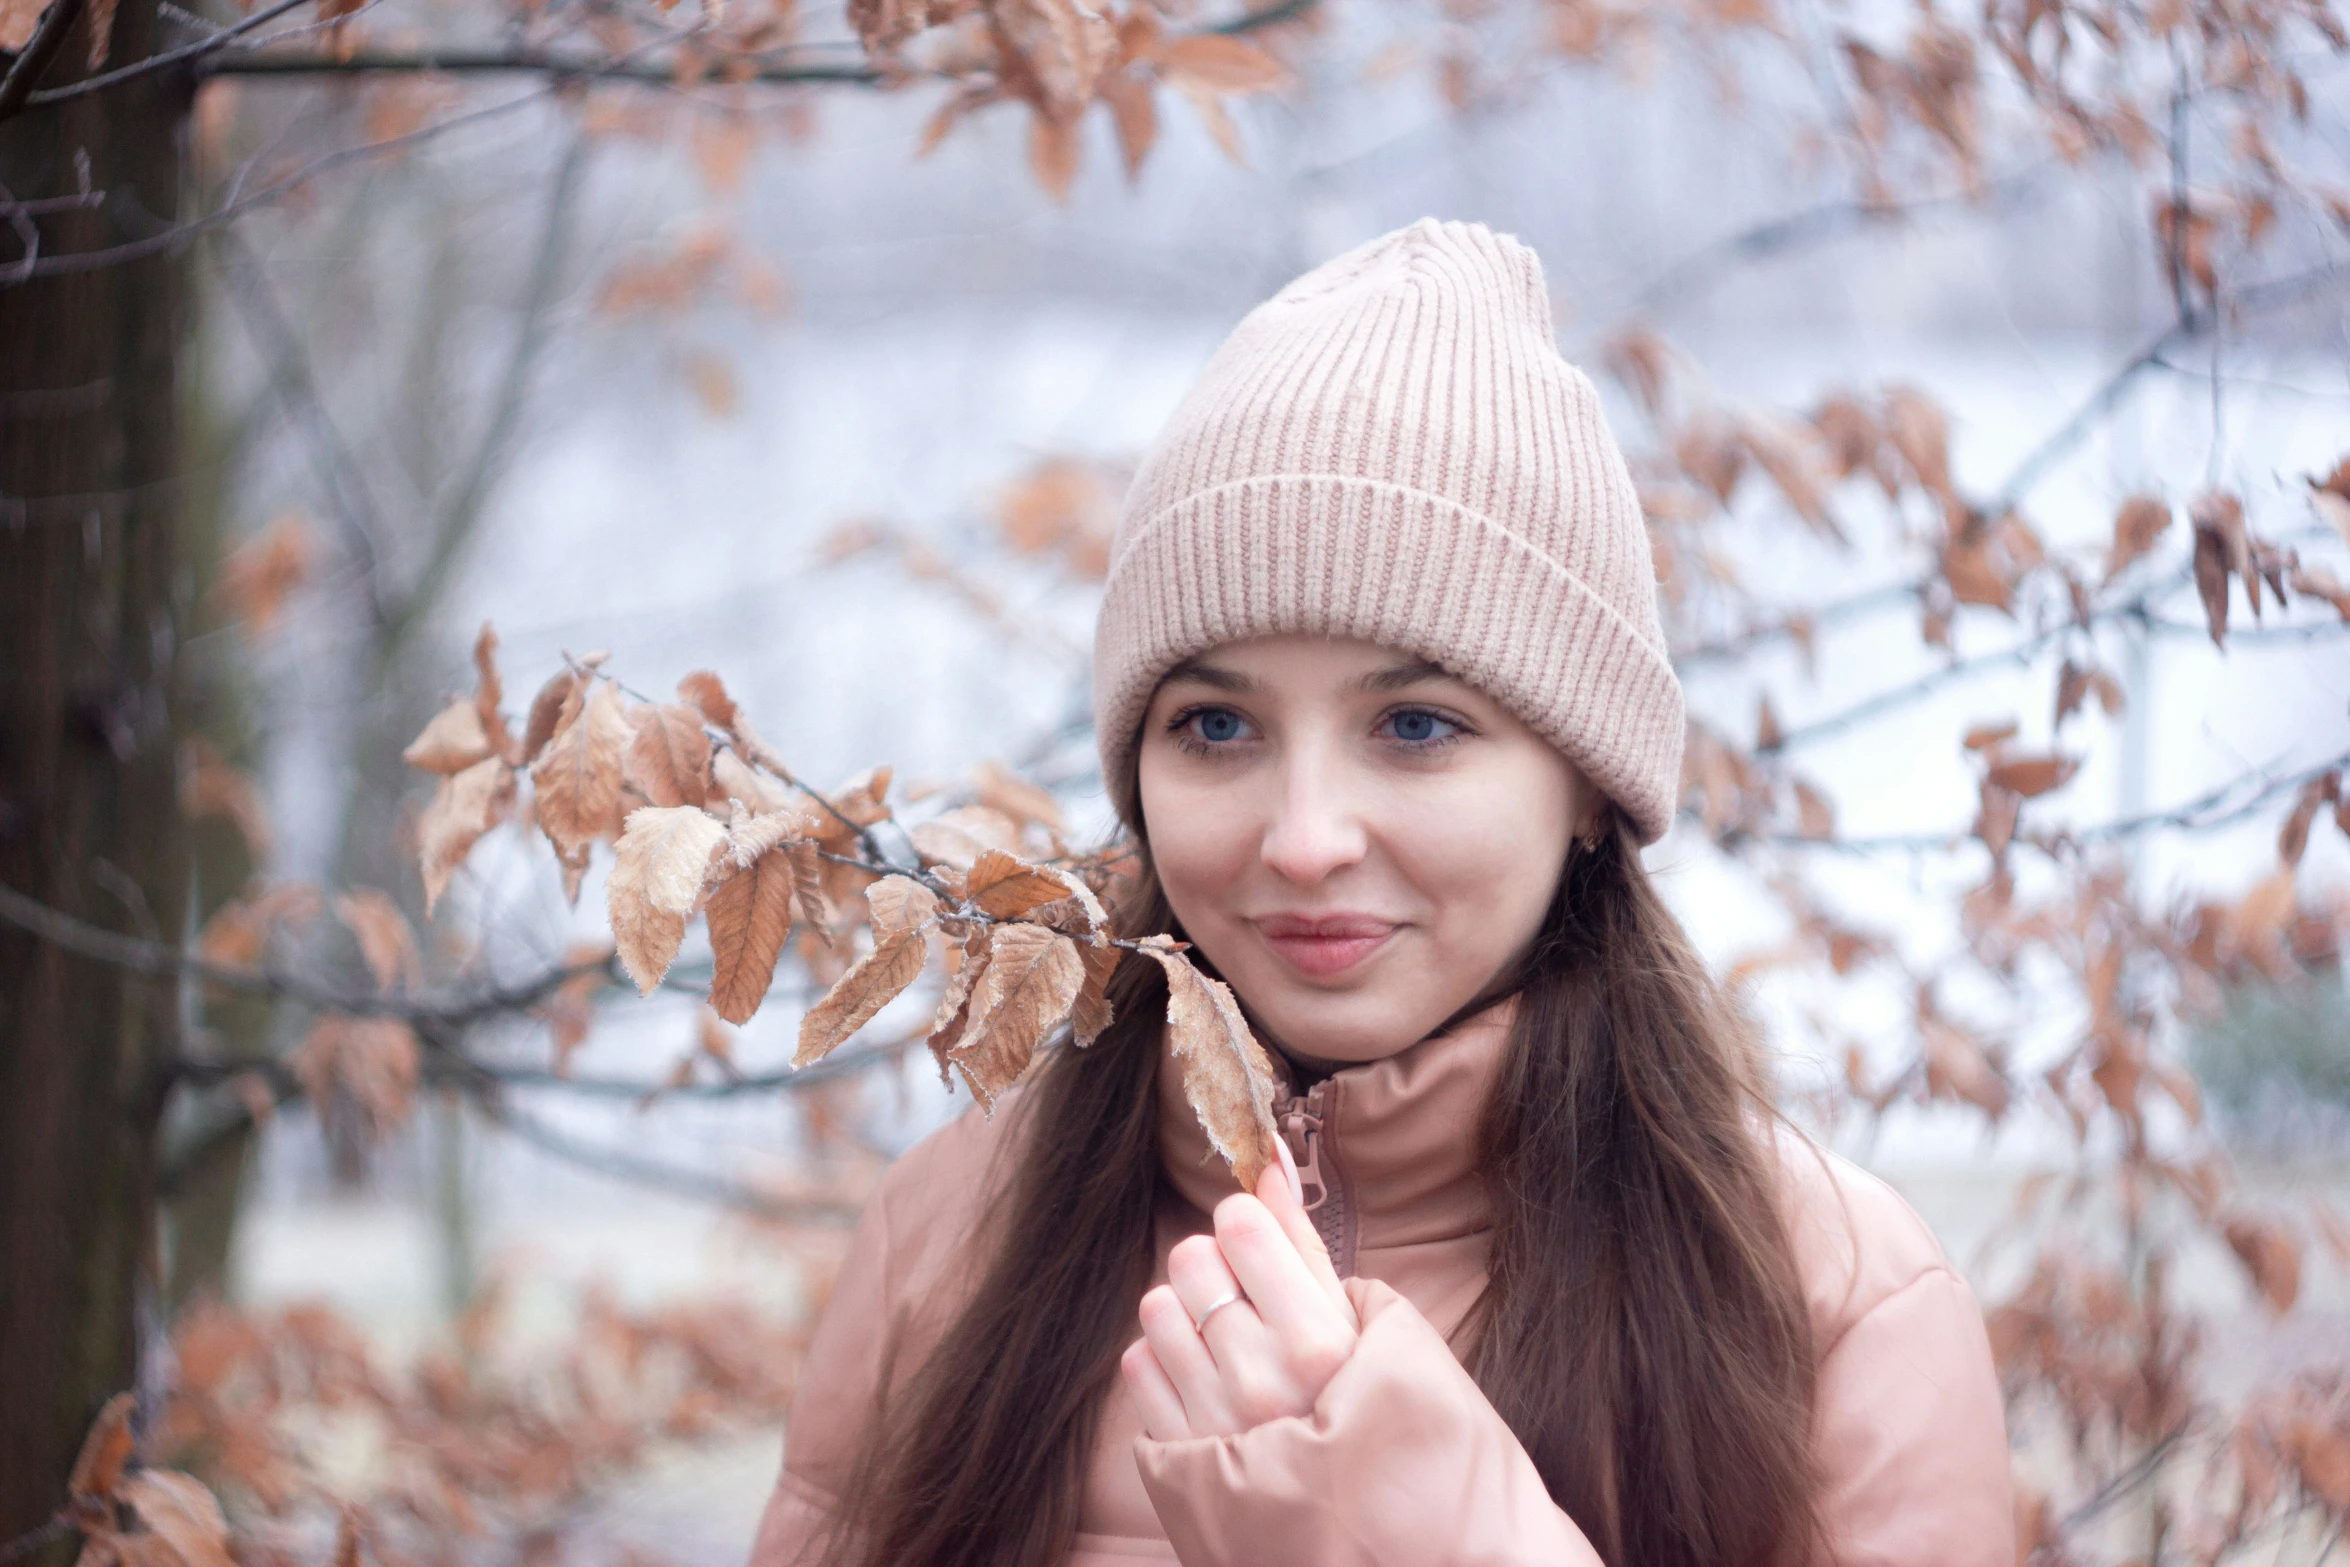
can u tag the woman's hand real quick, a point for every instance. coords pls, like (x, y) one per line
(1287, 1329)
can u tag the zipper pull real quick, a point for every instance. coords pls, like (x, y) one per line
(1304, 1131)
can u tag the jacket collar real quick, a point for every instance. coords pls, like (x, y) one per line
(1395, 1140)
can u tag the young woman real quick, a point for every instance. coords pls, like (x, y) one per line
(1382, 695)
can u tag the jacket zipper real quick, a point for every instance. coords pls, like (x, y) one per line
(1302, 1121)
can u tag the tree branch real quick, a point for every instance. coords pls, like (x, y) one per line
(157, 960)
(523, 60)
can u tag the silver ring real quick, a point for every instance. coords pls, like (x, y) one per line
(1201, 1322)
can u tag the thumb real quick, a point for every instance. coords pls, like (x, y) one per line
(1280, 1190)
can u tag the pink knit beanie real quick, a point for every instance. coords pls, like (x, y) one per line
(1392, 449)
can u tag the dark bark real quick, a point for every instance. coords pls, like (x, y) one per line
(90, 616)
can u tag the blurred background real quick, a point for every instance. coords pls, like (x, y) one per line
(1898, 311)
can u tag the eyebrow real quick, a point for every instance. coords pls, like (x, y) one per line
(1396, 677)
(1208, 674)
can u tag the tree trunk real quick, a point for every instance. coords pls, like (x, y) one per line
(90, 616)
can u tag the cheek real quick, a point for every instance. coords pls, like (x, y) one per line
(1200, 838)
(1487, 856)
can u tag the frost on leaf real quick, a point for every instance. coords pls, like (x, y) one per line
(465, 806)
(902, 909)
(1092, 1013)
(669, 759)
(661, 862)
(1226, 1075)
(579, 774)
(1006, 887)
(452, 742)
(750, 917)
(1030, 982)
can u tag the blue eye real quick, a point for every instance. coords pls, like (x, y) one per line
(1219, 724)
(1421, 729)
(1415, 726)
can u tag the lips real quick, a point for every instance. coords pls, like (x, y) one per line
(1324, 945)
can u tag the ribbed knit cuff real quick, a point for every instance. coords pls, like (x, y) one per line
(1332, 556)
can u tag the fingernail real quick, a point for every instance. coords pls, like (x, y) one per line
(1297, 1188)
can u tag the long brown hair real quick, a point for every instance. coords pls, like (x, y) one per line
(1643, 1330)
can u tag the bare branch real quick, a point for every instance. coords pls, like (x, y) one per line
(17, 86)
(164, 61)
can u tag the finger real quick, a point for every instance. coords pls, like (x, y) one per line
(1295, 1301)
(1153, 1391)
(1219, 1307)
(1278, 1191)
(1166, 1326)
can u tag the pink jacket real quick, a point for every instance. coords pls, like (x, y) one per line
(1403, 1462)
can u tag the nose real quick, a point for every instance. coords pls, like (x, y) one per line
(1316, 830)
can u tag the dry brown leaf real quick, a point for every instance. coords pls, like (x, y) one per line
(2030, 776)
(669, 758)
(735, 779)
(385, 939)
(2136, 527)
(1006, 887)
(1920, 432)
(1135, 112)
(965, 961)
(260, 574)
(1767, 734)
(452, 742)
(1221, 63)
(2293, 837)
(1031, 979)
(18, 19)
(1053, 149)
(1227, 1077)
(1982, 737)
(556, 705)
(1785, 451)
(180, 1514)
(465, 806)
(658, 869)
(1995, 822)
(2220, 546)
(706, 693)
(489, 692)
(1091, 1012)
(901, 906)
(1815, 817)
(2269, 1255)
(579, 774)
(1017, 798)
(750, 918)
(1959, 1067)
(871, 983)
(960, 836)
(371, 1061)
(2331, 496)
(97, 1471)
(2318, 583)
(1973, 577)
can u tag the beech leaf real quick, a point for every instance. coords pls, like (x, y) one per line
(1227, 1077)
(750, 918)
(1007, 887)
(385, 939)
(1092, 1013)
(178, 1511)
(872, 982)
(105, 1450)
(2033, 775)
(659, 866)
(1030, 981)
(669, 758)
(465, 806)
(452, 742)
(578, 775)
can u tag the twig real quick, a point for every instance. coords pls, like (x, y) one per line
(623, 1165)
(55, 1529)
(547, 62)
(170, 57)
(156, 960)
(2211, 809)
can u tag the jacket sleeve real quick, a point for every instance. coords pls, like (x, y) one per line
(842, 1376)
(1403, 1463)
(1911, 1435)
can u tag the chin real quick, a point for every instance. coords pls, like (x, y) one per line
(1357, 1027)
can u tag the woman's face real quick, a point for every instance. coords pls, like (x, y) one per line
(1358, 841)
